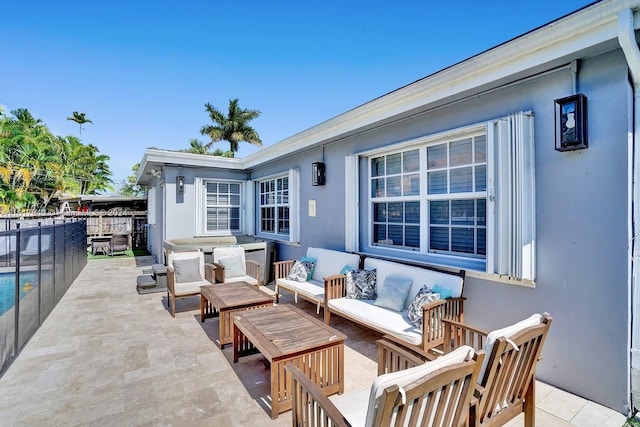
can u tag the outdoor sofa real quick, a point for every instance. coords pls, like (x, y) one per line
(395, 323)
(328, 265)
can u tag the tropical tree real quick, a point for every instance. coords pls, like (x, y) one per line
(199, 147)
(80, 119)
(130, 188)
(233, 127)
(35, 164)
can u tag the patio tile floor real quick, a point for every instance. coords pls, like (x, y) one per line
(107, 356)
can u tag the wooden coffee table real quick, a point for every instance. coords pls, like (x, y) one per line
(227, 299)
(285, 334)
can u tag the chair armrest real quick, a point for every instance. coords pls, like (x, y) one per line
(335, 286)
(393, 357)
(171, 278)
(219, 273)
(281, 268)
(433, 314)
(209, 272)
(253, 270)
(310, 407)
(457, 334)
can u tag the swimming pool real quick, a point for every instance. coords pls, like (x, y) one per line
(8, 285)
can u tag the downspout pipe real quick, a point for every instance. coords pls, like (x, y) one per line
(627, 40)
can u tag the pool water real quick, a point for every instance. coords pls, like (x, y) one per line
(8, 285)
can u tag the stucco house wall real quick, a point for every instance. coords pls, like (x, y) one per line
(582, 198)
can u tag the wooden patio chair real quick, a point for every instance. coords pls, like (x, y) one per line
(436, 393)
(232, 266)
(186, 272)
(507, 379)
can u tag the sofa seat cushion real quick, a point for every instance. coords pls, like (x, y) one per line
(188, 288)
(382, 319)
(250, 280)
(353, 406)
(311, 289)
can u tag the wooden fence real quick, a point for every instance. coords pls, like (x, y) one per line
(99, 223)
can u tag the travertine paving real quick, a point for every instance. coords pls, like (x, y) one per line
(107, 356)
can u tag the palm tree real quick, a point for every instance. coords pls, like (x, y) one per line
(233, 128)
(80, 119)
(198, 147)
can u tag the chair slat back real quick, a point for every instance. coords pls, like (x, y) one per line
(441, 398)
(509, 373)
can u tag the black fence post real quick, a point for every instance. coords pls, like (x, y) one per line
(16, 341)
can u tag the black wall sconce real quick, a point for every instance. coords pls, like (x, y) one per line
(318, 173)
(179, 184)
(571, 123)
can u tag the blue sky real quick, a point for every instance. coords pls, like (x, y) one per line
(143, 70)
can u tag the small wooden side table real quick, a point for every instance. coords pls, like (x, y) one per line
(226, 300)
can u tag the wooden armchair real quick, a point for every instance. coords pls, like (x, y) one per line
(186, 273)
(232, 266)
(506, 383)
(433, 393)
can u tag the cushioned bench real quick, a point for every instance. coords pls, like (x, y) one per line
(328, 265)
(397, 324)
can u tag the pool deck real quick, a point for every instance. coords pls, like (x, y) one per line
(107, 356)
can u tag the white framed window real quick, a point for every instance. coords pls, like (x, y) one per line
(279, 206)
(463, 198)
(274, 206)
(222, 203)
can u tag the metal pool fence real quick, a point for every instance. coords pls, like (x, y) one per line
(37, 266)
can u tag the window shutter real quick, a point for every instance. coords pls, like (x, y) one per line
(511, 198)
(351, 183)
(248, 194)
(151, 206)
(294, 205)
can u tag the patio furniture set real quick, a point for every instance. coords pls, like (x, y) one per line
(442, 373)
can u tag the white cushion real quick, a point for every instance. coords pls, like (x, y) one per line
(354, 406)
(250, 280)
(382, 319)
(188, 288)
(506, 332)
(227, 251)
(187, 255)
(330, 262)
(407, 376)
(311, 289)
(420, 277)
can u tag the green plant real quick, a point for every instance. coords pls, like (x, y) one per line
(632, 421)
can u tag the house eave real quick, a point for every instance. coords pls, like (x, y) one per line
(155, 158)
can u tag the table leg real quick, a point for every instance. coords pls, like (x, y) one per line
(275, 388)
(203, 303)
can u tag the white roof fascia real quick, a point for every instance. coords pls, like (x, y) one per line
(152, 155)
(585, 28)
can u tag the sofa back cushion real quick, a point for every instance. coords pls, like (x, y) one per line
(420, 277)
(330, 262)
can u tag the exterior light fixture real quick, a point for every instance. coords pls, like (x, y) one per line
(180, 184)
(571, 123)
(318, 173)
